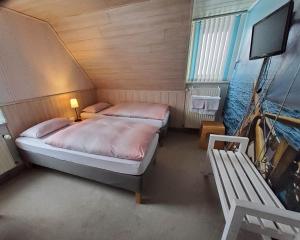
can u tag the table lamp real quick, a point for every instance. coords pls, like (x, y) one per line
(75, 105)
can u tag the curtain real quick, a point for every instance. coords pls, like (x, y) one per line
(213, 42)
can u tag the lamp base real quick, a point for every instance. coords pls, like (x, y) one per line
(78, 119)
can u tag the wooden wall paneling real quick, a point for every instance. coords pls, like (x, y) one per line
(81, 21)
(174, 110)
(50, 10)
(128, 44)
(22, 115)
(118, 3)
(204, 8)
(122, 44)
(33, 61)
(175, 99)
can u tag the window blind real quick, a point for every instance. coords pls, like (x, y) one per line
(2, 118)
(212, 44)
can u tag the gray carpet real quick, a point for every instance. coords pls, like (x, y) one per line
(180, 203)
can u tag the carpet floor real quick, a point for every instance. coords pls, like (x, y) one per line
(42, 204)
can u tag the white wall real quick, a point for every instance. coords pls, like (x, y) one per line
(33, 62)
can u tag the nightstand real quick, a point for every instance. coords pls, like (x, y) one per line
(211, 127)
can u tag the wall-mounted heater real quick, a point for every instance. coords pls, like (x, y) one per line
(201, 104)
(7, 161)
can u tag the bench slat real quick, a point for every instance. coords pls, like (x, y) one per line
(262, 190)
(224, 203)
(231, 195)
(271, 193)
(252, 195)
(267, 232)
(263, 181)
(236, 183)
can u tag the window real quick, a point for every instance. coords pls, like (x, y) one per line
(2, 118)
(213, 42)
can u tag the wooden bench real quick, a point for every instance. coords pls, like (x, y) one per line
(247, 200)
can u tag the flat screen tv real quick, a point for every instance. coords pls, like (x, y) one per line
(269, 35)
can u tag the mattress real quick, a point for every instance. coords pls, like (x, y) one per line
(152, 122)
(124, 166)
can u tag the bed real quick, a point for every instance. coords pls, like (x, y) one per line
(154, 114)
(116, 171)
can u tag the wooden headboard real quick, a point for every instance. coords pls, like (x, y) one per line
(24, 114)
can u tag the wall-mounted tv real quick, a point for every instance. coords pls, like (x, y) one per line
(269, 35)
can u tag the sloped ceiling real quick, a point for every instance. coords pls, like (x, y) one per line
(124, 44)
(121, 44)
(206, 8)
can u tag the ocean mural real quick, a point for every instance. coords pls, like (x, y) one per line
(290, 133)
(281, 71)
(283, 75)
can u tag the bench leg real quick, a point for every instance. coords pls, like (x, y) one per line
(233, 223)
(138, 198)
(206, 168)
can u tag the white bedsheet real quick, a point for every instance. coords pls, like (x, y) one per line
(152, 122)
(103, 162)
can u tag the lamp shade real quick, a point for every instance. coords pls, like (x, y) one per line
(74, 103)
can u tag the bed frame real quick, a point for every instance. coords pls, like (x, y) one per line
(132, 183)
(163, 132)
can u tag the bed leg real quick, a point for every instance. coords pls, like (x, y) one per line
(160, 141)
(138, 198)
(28, 164)
(163, 135)
(154, 160)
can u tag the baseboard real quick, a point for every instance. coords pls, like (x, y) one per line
(11, 173)
(187, 130)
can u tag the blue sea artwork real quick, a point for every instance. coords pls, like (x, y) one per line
(284, 76)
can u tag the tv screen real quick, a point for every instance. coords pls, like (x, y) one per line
(269, 35)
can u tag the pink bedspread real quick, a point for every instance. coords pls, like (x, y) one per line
(106, 136)
(138, 110)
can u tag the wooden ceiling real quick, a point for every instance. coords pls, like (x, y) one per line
(55, 10)
(121, 44)
(124, 44)
(205, 8)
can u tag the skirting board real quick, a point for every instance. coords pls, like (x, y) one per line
(11, 173)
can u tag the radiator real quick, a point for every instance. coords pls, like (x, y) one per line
(193, 119)
(6, 160)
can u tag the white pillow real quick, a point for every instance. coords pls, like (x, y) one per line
(46, 127)
(96, 107)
